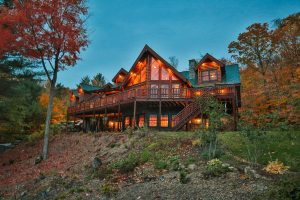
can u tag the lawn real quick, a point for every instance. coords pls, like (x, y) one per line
(284, 146)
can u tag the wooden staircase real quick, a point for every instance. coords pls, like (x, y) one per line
(185, 115)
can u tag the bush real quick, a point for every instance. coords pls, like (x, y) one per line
(174, 163)
(183, 177)
(129, 131)
(160, 164)
(34, 137)
(128, 164)
(276, 167)
(196, 143)
(288, 187)
(215, 167)
(108, 190)
(145, 156)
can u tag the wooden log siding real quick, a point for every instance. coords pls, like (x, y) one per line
(148, 94)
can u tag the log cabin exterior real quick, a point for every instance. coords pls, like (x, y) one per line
(155, 94)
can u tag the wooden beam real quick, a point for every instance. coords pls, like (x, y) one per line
(119, 110)
(134, 115)
(159, 115)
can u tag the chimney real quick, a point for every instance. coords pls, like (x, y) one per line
(192, 65)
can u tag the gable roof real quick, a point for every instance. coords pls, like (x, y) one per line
(153, 53)
(208, 56)
(122, 70)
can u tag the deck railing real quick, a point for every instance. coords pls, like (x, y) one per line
(149, 94)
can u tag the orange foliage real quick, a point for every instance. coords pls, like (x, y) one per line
(59, 109)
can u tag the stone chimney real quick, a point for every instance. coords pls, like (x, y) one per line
(192, 64)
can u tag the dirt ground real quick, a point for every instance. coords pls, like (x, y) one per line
(67, 173)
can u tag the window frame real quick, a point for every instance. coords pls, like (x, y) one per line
(209, 75)
(156, 121)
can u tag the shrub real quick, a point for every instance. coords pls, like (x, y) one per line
(145, 156)
(128, 164)
(288, 187)
(129, 131)
(183, 177)
(108, 190)
(160, 164)
(174, 163)
(34, 137)
(215, 167)
(276, 167)
(196, 142)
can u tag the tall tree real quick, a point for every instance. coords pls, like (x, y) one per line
(174, 61)
(98, 80)
(85, 80)
(50, 31)
(254, 48)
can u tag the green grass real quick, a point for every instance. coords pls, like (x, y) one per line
(284, 146)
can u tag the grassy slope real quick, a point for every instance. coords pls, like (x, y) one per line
(284, 146)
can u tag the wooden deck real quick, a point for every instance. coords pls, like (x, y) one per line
(146, 94)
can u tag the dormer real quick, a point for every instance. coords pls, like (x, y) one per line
(120, 76)
(209, 70)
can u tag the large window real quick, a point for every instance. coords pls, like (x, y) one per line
(164, 121)
(209, 75)
(154, 69)
(153, 120)
(127, 121)
(141, 121)
(164, 74)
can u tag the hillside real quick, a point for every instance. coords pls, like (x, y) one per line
(114, 165)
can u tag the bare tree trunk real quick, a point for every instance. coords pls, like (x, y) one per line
(48, 121)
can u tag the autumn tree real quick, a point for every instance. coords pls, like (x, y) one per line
(51, 32)
(98, 80)
(254, 48)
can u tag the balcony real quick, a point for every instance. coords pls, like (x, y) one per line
(149, 94)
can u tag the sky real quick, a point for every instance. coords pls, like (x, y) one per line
(119, 29)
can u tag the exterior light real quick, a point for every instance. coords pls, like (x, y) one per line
(73, 97)
(80, 90)
(198, 93)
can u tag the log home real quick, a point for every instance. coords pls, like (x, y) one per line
(155, 94)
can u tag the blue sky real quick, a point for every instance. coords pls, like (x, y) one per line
(119, 29)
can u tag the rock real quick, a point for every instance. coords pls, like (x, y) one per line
(251, 172)
(233, 169)
(192, 167)
(38, 160)
(96, 163)
(23, 194)
(232, 175)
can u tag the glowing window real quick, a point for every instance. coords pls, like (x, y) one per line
(174, 78)
(213, 75)
(154, 69)
(127, 121)
(209, 75)
(164, 74)
(164, 121)
(153, 120)
(141, 121)
(143, 74)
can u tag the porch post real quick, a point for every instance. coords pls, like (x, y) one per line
(159, 115)
(119, 124)
(134, 113)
